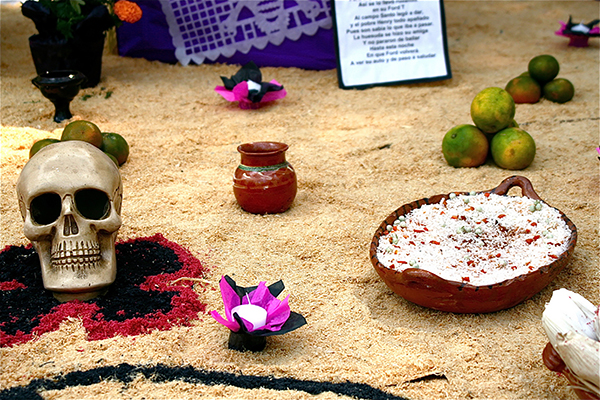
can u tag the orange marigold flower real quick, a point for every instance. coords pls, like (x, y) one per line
(128, 11)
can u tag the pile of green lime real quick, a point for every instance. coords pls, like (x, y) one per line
(112, 144)
(495, 132)
(540, 80)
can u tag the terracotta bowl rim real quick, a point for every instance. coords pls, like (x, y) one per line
(464, 285)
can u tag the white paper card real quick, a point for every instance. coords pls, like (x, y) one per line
(390, 41)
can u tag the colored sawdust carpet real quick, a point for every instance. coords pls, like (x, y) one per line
(147, 294)
(127, 373)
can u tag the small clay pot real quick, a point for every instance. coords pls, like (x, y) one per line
(264, 182)
(429, 290)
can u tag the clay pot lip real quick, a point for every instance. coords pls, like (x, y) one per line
(463, 286)
(59, 77)
(262, 148)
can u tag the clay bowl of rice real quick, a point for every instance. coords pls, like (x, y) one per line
(474, 252)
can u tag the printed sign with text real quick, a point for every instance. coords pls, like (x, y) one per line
(384, 42)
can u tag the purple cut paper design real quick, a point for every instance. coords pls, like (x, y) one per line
(208, 29)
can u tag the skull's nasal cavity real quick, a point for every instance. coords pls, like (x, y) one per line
(70, 227)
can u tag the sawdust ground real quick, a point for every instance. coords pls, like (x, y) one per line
(358, 156)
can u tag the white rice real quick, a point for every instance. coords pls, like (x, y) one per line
(479, 239)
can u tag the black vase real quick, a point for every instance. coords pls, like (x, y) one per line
(52, 54)
(60, 87)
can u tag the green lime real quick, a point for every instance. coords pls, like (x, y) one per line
(83, 130)
(465, 146)
(115, 144)
(524, 89)
(492, 109)
(543, 68)
(37, 146)
(513, 148)
(113, 158)
(559, 90)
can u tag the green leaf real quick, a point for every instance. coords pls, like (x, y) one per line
(76, 4)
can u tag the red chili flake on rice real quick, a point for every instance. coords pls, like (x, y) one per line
(502, 237)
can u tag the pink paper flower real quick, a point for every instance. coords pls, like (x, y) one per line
(247, 87)
(241, 92)
(278, 311)
(279, 317)
(578, 34)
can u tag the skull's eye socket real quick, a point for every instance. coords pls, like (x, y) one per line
(92, 204)
(45, 209)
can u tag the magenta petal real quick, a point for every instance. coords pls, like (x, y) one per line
(230, 298)
(272, 96)
(277, 313)
(261, 296)
(234, 326)
(227, 94)
(276, 95)
(241, 91)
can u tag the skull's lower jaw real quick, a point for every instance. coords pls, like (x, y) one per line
(83, 296)
(77, 272)
(82, 279)
(67, 289)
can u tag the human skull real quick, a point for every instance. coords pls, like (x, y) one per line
(70, 197)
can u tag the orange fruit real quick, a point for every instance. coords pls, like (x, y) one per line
(37, 146)
(559, 90)
(513, 148)
(543, 68)
(492, 109)
(465, 146)
(83, 130)
(116, 145)
(524, 89)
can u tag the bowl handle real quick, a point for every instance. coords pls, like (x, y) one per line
(516, 180)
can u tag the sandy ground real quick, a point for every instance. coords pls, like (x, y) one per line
(358, 156)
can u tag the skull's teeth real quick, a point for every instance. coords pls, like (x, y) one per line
(76, 255)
